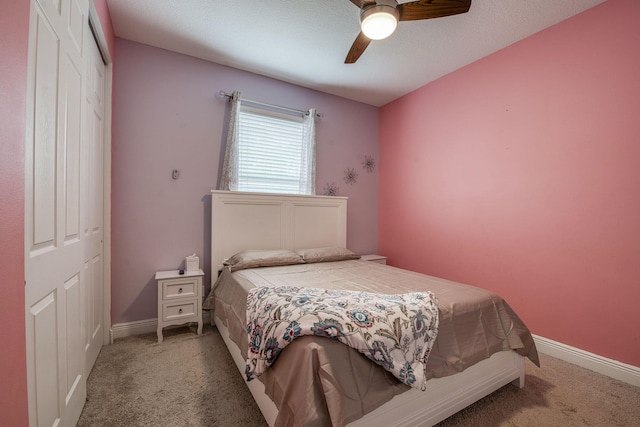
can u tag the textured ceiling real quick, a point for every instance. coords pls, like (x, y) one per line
(305, 42)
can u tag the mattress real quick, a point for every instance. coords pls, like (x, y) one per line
(318, 381)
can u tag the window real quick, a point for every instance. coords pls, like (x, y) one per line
(269, 150)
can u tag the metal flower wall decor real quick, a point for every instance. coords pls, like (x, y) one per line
(350, 176)
(331, 189)
(369, 164)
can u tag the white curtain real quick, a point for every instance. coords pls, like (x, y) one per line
(308, 164)
(229, 179)
(230, 168)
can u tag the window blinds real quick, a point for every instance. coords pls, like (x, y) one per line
(271, 152)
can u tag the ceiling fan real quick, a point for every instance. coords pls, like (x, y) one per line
(379, 18)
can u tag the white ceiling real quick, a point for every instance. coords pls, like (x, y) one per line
(305, 42)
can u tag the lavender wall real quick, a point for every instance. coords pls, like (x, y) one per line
(166, 117)
(519, 173)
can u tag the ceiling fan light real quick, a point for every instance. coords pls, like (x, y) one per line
(378, 22)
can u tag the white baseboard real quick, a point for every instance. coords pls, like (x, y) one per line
(139, 327)
(122, 330)
(612, 368)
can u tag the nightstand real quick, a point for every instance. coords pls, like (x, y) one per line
(179, 299)
(374, 258)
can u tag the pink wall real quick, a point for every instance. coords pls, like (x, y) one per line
(519, 174)
(14, 33)
(166, 117)
(107, 27)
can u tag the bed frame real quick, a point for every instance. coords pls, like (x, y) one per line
(241, 221)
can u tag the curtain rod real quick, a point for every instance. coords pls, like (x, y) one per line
(224, 94)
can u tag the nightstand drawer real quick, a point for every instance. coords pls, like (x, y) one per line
(179, 288)
(179, 310)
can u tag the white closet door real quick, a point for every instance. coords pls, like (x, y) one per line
(59, 256)
(94, 230)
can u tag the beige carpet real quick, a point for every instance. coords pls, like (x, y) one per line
(192, 381)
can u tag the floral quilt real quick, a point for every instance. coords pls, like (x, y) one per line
(395, 331)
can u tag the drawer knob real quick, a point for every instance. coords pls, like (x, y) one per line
(180, 290)
(180, 311)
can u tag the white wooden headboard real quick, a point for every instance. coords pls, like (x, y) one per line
(242, 221)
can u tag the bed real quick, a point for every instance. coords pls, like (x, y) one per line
(317, 381)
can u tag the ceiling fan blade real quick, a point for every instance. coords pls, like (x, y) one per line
(358, 46)
(427, 9)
